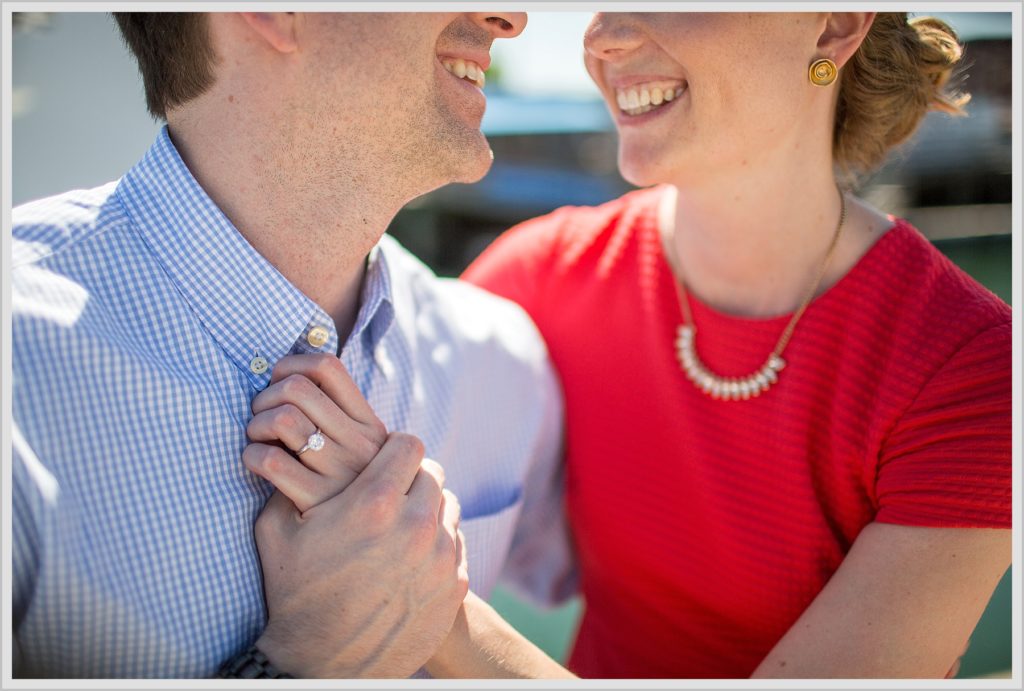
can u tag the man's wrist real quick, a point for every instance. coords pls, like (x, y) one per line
(251, 664)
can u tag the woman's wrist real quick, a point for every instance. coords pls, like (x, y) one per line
(482, 645)
(453, 658)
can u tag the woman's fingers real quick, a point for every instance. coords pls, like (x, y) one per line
(328, 374)
(289, 425)
(284, 423)
(305, 488)
(361, 441)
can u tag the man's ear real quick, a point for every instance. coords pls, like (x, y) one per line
(843, 34)
(276, 28)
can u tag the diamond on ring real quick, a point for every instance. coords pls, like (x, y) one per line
(314, 443)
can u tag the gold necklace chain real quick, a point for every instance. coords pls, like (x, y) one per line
(752, 385)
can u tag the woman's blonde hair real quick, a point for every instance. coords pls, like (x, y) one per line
(900, 72)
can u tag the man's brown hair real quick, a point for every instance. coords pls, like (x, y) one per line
(174, 53)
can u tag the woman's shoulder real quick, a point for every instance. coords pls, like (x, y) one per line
(950, 288)
(906, 273)
(930, 336)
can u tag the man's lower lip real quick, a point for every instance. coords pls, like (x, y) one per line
(468, 84)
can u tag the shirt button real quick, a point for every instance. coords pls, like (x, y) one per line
(317, 336)
(259, 365)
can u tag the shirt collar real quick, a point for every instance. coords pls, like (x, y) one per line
(376, 311)
(245, 303)
(399, 314)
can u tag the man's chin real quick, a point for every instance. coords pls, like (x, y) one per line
(475, 168)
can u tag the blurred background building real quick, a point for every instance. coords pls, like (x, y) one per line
(79, 120)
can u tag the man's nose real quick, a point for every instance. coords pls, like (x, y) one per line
(612, 35)
(501, 24)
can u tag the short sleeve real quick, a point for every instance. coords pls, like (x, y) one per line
(947, 462)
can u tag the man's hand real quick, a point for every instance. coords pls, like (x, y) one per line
(362, 583)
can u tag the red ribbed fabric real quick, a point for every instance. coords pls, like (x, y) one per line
(705, 528)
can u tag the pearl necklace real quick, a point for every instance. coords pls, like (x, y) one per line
(752, 385)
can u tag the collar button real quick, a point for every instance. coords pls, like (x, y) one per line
(317, 336)
(259, 365)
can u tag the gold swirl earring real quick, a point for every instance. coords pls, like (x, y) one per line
(822, 72)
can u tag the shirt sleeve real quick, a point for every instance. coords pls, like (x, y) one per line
(33, 487)
(541, 565)
(947, 462)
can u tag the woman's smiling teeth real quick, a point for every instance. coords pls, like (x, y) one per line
(641, 98)
(465, 69)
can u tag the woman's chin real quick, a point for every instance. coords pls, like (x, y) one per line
(642, 172)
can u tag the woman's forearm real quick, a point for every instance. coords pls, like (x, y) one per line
(901, 605)
(482, 645)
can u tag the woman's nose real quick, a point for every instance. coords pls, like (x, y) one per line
(612, 35)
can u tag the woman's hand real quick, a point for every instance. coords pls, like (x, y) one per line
(309, 393)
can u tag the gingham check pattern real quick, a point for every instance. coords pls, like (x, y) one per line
(138, 308)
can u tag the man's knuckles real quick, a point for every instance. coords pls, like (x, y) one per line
(435, 470)
(379, 503)
(452, 508)
(445, 549)
(422, 529)
(375, 431)
(406, 445)
(362, 448)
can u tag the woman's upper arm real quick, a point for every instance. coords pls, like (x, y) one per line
(902, 604)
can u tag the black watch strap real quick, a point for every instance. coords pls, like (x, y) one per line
(252, 664)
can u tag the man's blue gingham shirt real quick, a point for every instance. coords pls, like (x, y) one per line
(138, 310)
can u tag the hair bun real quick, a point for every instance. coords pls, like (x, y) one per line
(939, 52)
(901, 70)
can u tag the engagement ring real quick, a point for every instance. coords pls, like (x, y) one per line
(314, 443)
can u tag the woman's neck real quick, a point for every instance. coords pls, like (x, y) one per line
(752, 244)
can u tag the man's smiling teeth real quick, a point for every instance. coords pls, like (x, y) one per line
(465, 69)
(642, 98)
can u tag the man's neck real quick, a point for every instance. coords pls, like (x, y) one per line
(317, 235)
